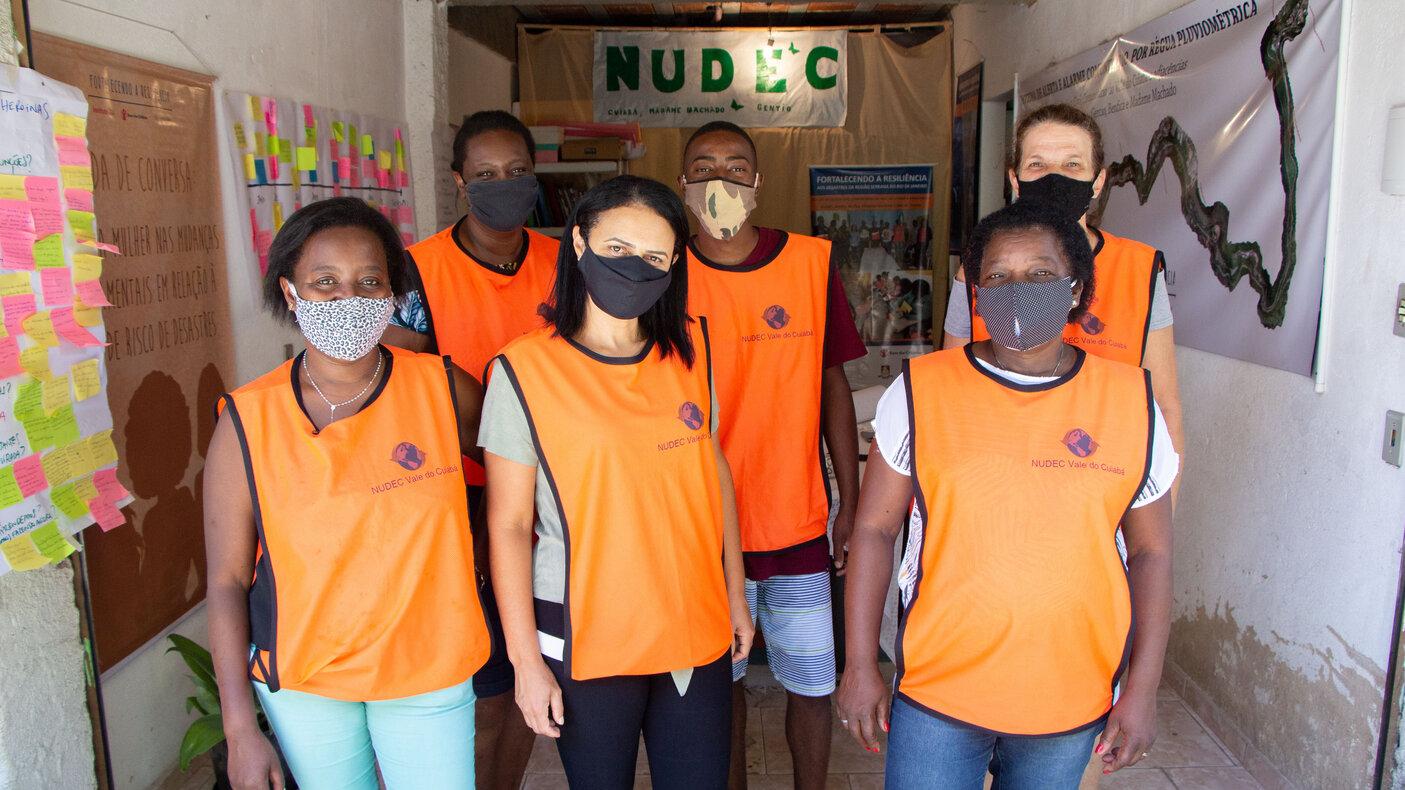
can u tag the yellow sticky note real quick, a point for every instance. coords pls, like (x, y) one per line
(41, 328)
(51, 543)
(66, 499)
(239, 136)
(250, 172)
(12, 188)
(35, 361)
(16, 284)
(307, 158)
(85, 488)
(86, 315)
(22, 554)
(338, 131)
(103, 451)
(367, 145)
(56, 394)
(260, 144)
(86, 380)
(277, 215)
(58, 466)
(86, 266)
(285, 150)
(10, 493)
(77, 177)
(66, 125)
(383, 159)
(255, 109)
(84, 224)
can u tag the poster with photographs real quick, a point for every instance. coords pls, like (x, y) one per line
(879, 220)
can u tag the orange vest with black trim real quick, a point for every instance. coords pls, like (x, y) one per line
(1119, 319)
(1021, 619)
(364, 584)
(475, 309)
(627, 448)
(768, 326)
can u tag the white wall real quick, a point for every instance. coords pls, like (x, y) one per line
(479, 78)
(1289, 527)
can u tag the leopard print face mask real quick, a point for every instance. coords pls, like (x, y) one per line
(345, 329)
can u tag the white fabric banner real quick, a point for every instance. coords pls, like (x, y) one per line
(1217, 123)
(754, 78)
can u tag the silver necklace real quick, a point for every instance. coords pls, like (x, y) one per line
(1057, 362)
(380, 360)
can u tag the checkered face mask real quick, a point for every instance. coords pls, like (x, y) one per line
(1020, 316)
(345, 329)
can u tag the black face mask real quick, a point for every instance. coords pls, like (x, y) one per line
(1068, 196)
(505, 204)
(623, 287)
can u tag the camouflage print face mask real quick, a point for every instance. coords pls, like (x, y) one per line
(721, 206)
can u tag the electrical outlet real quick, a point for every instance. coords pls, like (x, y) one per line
(1391, 441)
(1400, 311)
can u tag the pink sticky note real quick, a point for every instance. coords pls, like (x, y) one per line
(18, 308)
(109, 489)
(107, 514)
(404, 179)
(68, 329)
(72, 150)
(10, 359)
(112, 248)
(90, 291)
(29, 473)
(44, 207)
(307, 115)
(56, 285)
(79, 199)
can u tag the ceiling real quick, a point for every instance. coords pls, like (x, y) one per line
(688, 14)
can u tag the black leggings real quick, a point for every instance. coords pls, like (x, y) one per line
(687, 738)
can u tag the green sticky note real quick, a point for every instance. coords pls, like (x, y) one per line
(66, 499)
(48, 251)
(51, 543)
(285, 150)
(63, 426)
(29, 401)
(39, 430)
(368, 146)
(9, 488)
(272, 145)
(339, 131)
(307, 158)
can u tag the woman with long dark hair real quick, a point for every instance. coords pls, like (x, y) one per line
(599, 433)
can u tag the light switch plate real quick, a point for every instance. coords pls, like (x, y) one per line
(1393, 438)
(1400, 311)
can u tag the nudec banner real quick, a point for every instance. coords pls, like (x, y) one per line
(754, 78)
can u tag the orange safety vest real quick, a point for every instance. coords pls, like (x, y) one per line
(364, 587)
(475, 309)
(1021, 619)
(627, 449)
(768, 327)
(1119, 319)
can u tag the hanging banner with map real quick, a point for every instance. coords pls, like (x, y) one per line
(291, 154)
(1217, 124)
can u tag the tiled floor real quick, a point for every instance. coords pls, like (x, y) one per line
(1185, 757)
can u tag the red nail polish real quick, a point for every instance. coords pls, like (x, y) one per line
(885, 726)
(1099, 749)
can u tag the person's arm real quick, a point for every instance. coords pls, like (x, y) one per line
(469, 396)
(230, 545)
(1131, 726)
(733, 570)
(408, 339)
(840, 428)
(1160, 359)
(958, 314)
(863, 698)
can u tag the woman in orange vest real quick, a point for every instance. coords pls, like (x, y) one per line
(599, 433)
(341, 578)
(1023, 454)
(1058, 161)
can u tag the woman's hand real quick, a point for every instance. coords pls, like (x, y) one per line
(539, 697)
(253, 762)
(743, 630)
(863, 702)
(1130, 731)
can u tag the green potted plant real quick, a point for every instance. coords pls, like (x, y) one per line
(206, 734)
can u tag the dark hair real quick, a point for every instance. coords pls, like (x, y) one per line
(308, 221)
(666, 323)
(721, 126)
(1035, 216)
(1065, 114)
(489, 121)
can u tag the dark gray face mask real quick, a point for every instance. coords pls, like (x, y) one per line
(1021, 316)
(623, 287)
(504, 204)
(1069, 197)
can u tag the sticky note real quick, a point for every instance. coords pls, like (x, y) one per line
(85, 488)
(66, 326)
(307, 158)
(48, 252)
(40, 327)
(17, 308)
(338, 131)
(105, 247)
(63, 428)
(72, 150)
(15, 283)
(58, 466)
(12, 187)
(85, 226)
(103, 450)
(66, 499)
(39, 432)
(51, 543)
(107, 514)
(285, 150)
(43, 192)
(239, 136)
(77, 177)
(277, 215)
(10, 358)
(80, 199)
(368, 147)
(29, 475)
(9, 488)
(87, 380)
(56, 285)
(35, 361)
(85, 314)
(108, 486)
(251, 173)
(66, 125)
(56, 393)
(255, 107)
(86, 266)
(383, 159)
(27, 401)
(17, 249)
(22, 554)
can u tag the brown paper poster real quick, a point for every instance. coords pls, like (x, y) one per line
(151, 134)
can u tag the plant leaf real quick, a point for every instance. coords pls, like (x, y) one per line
(202, 736)
(207, 703)
(199, 661)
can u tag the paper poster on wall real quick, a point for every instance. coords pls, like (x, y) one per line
(290, 154)
(753, 78)
(1217, 124)
(879, 221)
(58, 461)
(151, 133)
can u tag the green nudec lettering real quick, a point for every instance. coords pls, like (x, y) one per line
(812, 71)
(765, 73)
(716, 57)
(667, 84)
(621, 65)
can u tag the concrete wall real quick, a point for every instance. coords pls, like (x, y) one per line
(479, 78)
(1289, 527)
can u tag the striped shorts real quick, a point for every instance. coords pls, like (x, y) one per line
(795, 617)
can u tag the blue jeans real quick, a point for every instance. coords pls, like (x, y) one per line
(424, 742)
(929, 753)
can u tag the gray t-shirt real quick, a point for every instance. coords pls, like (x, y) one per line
(958, 309)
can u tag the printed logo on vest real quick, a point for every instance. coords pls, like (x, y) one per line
(1080, 443)
(408, 456)
(691, 415)
(1091, 324)
(776, 317)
